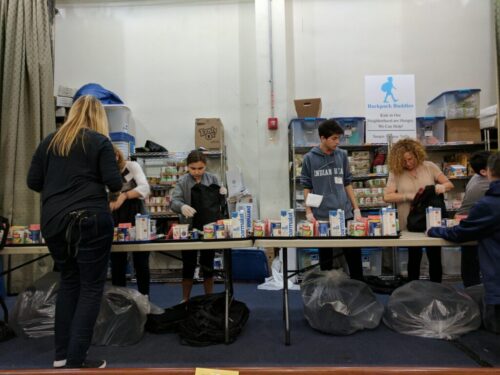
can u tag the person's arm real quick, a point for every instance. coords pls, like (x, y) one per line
(305, 179)
(391, 194)
(36, 178)
(309, 212)
(110, 174)
(443, 184)
(481, 222)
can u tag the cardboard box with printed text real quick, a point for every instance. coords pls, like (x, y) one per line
(209, 133)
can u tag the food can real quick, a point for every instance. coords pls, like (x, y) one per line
(195, 234)
(209, 231)
(276, 228)
(259, 228)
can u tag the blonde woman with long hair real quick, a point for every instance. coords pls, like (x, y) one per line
(71, 168)
(408, 172)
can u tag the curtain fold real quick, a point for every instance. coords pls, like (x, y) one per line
(27, 112)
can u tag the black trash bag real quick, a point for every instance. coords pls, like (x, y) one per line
(121, 318)
(428, 309)
(204, 324)
(427, 197)
(335, 304)
(168, 321)
(34, 313)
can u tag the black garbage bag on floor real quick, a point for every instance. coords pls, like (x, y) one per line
(204, 324)
(34, 313)
(121, 318)
(333, 303)
(168, 321)
(428, 309)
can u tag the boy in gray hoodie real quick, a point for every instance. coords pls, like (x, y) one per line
(325, 171)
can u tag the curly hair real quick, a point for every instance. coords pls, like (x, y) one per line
(396, 154)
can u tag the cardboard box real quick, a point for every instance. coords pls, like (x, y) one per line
(62, 101)
(65, 91)
(209, 133)
(461, 130)
(308, 107)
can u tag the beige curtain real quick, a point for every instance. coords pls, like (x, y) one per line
(496, 4)
(26, 111)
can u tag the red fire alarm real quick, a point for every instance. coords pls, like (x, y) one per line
(272, 123)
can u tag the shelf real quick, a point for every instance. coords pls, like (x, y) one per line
(459, 178)
(369, 176)
(455, 146)
(368, 146)
(173, 155)
(149, 155)
(162, 186)
(163, 215)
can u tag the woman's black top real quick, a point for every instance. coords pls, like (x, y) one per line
(73, 182)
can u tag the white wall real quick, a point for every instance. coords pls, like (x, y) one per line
(172, 61)
(447, 44)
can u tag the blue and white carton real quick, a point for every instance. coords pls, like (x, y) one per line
(389, 222)
(238, 229)
(248, 210)
(287, 223)
(337, 223)
(142, 227)
(432, 217)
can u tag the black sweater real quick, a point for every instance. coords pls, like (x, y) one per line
(74, 182)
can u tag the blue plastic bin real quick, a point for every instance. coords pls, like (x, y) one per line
(124, 141)
(371, 259)
(455, 104)
(354, 130)
(249, 264)
(305, 131)
(431, 129)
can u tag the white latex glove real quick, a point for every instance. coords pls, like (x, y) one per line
(310, 217)
(357, 214)
(188, 211)
(222, 190)
(440, 189)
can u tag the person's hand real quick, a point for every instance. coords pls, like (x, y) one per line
(357, 214)
(115, 205)
(440, 189)
(310, 217)
(222, 190)
(409, 197)
(188, 211)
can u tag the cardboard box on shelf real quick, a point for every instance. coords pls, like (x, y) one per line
(462, 130)
(308, 107)
(62, 101)
(65, 91)
(209, 133)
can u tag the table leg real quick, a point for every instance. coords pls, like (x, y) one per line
(228, 288)
(285, 295)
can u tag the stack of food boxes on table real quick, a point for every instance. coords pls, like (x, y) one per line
(19, 235)
(370, 193)
(144, 230)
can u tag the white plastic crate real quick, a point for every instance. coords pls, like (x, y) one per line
(430, 130)
(119, 118)
(305, 131)
(402, 261)
(455, 104)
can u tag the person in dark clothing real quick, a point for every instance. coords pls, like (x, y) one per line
(475, 190)
(182, 204)
(71, 168)
(326, 172)
(483, 225)
(127, 204)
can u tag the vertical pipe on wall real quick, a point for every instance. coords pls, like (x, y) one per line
(271, 63)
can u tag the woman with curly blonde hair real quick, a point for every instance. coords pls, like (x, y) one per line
(408, 172)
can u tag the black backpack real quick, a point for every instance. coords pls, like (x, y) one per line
(426, 198)
(169, 321)
(209, 204)
(205, 322)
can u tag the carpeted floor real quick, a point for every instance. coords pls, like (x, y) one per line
(262, 342)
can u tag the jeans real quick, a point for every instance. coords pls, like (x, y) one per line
(141, 266)
(82, 283)
(352, 257)
(435, 267)
(470, 266)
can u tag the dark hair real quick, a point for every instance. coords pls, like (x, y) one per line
(196, 156)
(479, 160)
(329, 127)
(494, 164)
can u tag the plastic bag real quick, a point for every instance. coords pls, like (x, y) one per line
(333, 303)
(427, 309)
(34, 313)
(121, 318)
(275, 282)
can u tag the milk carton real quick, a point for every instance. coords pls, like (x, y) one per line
(142, 227)
(388, 219)
(432, 217)
(248, 210)
(287, 223)
(337, 223)
(238, 224)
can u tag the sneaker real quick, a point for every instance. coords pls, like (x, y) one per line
(89, 363)
(59, 364)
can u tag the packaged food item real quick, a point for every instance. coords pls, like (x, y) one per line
(259, 228)
(388, 219)
(209, 231)
(287, 223)
(306, 228)
(337, 223)
(432, 217)
(323, 228)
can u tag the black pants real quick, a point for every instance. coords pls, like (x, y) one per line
(141, 266)
(470, 266)
(189, 263)
(435, 267)
(352, 257)
(82, 283)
